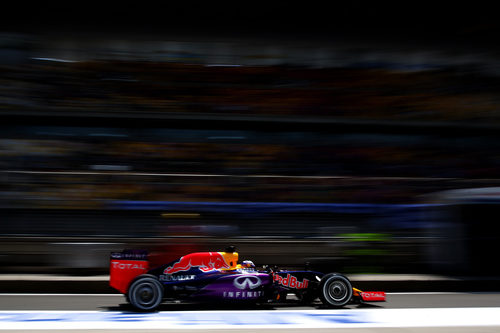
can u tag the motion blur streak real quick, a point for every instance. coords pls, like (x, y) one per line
(364, 141)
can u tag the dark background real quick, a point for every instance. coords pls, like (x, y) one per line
(389, 149)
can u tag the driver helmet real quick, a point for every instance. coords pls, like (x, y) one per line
(247, 264)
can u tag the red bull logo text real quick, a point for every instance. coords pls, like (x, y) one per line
(291, 281)
(204, 261)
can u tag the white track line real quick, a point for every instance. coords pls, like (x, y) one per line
(428, 293)
(215, 175)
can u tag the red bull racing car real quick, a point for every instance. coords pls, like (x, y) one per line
(217, 276)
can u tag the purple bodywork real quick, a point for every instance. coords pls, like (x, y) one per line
(236, 286)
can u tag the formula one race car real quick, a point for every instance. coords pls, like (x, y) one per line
(217, 276)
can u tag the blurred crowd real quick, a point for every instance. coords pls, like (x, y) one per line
(81, 170)
(440, 94)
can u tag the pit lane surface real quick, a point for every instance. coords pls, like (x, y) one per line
(415, 312)
(116, 302)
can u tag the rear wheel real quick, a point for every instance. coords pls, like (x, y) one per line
(145, 293)
(335, 290)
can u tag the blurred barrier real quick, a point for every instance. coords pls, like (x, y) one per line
(348, 237)
(79, 256)
(354, 238)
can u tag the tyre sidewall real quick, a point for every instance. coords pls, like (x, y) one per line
(151, 283)
(325, 285)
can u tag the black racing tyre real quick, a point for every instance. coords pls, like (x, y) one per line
(145, 293)
(335, 290)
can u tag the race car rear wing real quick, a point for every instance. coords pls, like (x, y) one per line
(125, 266)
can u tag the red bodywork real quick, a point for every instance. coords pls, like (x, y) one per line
(123, 271)
(373, 296)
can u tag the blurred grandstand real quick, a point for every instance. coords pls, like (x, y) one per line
(293, 152)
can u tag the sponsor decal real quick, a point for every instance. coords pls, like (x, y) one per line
(290, 281)
(168, 277)
(121, 265)
(247, 282)
(242, 294)
(130, 255)
(205, 262)
(373, 296)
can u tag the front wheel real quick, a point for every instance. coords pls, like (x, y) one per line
(335, 290)
(145, 293)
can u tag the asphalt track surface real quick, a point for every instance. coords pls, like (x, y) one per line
(463, 303)
(116, 302)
